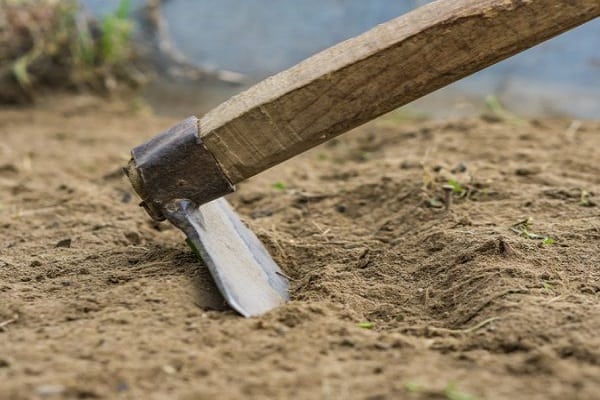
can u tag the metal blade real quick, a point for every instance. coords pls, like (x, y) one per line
(250, 281)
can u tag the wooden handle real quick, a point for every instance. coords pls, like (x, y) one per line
(376, 72)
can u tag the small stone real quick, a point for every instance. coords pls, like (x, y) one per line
(65, 243)
(527, 171)
(459, 168)
(252, 197)
(434, 202)
(545, 276)
(409, 164)
(341, 208)
(133, 237)
(261, 213)
(122, 387)
(381, 346)
(50, 390)
(10, 168)
(126, 197)
(281, 330)
(363, 259)
(169, 369)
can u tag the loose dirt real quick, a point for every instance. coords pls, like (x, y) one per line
(396, 293)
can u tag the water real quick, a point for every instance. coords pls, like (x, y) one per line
(262, 37)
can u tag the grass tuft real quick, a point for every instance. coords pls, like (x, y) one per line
(64, 49)
(115, 32)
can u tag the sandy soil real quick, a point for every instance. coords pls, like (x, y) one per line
(395, 294)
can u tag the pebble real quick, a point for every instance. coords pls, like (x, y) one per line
(169, 369)
(252, 197)
(459, 168)
(50, 390)
(64, 243)
(133, 237)
(527, 171)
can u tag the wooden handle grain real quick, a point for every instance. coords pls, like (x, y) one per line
(376, 72)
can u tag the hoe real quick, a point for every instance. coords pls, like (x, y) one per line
(182, 174)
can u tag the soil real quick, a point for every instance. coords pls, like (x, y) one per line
(407, 279)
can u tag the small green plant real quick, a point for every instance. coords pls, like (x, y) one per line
(455, 187)
(85, 49)
(278, 186)
(547, 286)
(585, 199)
(19, 70)
(522, 229)
(113, 42)
(493, 105)
(496, 111)
(452, 393)
(547, 241)
(412, 387)
(115, 33)
(365, 325)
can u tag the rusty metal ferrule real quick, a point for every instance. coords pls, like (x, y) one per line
(175, 164)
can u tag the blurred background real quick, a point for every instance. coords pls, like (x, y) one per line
(205, 51)
(261, 37)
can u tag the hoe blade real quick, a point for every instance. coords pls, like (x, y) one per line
(248, 278)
